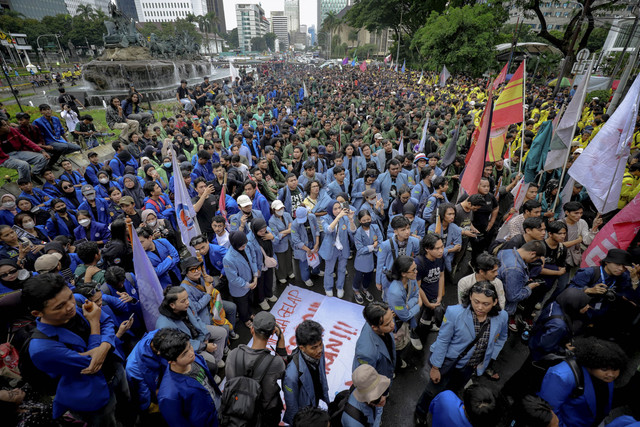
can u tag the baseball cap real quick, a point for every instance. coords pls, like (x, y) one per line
(277, 205)
(88, 189)
(419, 156)
(378, 136)
(244, 200)
(126, 200)
(301, 215)
(46, 263)
(264, 322)
(369, 193)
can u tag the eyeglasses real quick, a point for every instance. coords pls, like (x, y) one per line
(66, 187)
(193, 269)
(8, 273)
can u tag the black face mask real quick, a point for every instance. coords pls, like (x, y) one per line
(365, 224)
(62, 211)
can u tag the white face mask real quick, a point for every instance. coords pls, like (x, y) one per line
(280, 212)
(84, 222)
(90, 197)
(29, 225)
(103, 180)
(152, 223)
(8, 205)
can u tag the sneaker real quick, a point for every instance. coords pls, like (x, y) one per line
(425, 321)
(416, 343)
(328, 293)
(265, 305)
(513, 327)
(529, 322)
(309, 283)
(434, 328)
(217, 379)
(368, 295)
(272, 298)
(358, 297)
(283, 281)
(292, 276)
(233, 335)
(340, 293)
(538, 306)
(321, 273)
(220, 364)
(225, 351)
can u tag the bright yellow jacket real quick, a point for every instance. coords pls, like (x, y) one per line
(630, 188)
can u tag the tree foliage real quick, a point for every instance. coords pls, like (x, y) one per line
(270, 40)
(258, 44)
(463, 38)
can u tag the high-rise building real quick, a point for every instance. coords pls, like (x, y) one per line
(280, 27)
(217, 7)
(128, 8)
(292, 12)
(251, 23)
(38, 9)
(157, 11)
(312, 33)
(326, 6)
(72, 5)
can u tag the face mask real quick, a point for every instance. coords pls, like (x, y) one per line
(152, 223)
(28, 225)
(8, 205)
(167, 165)
(90, 196)
(365, 224)
(280, 212)
(84, 222)
(103, 180)
(62, 211)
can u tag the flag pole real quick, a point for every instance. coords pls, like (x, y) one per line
(553, 136)
(524, 89)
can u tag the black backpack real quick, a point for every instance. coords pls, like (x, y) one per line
(240, 405)
(37, 379)
(340, 405)
(496, 246)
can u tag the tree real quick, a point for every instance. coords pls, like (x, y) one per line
(353, 36)
(258, 44)
(331, 22)
(232, 39)
(85, 11)
(462, 38)
(270, 40)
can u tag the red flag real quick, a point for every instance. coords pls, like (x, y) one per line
(508, 108)
(617, 233)
(475, 163)
(222, 202)
(363, 66)
(501, 77)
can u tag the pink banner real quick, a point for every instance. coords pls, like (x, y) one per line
(617, 233)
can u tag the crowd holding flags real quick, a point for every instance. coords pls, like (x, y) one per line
(149, 288)
(185, 213)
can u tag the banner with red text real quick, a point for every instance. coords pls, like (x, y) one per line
(341, 320)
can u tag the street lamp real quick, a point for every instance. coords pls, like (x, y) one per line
(57, 36)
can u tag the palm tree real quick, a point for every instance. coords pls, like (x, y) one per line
(85, 11)
(330, 23)
(203, 25)
(212, 21)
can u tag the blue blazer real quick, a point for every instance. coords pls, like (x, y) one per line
(303, 180)
(371, 350)
(363, 261)
(234, 221)
(198, 300)
(358, 188)
(385, 257)
(239, 273)
(74, 177)
(216, 254)
(51, 132)
(417, 227)
(204, 171)
(102, 206)
(60, 357)
(384, 181)
(184, 402)
(327, 246)
(448, 410)
(333, 189)
(454, 237)
(144, 370)
(381, 159)
(376, 217)
(6, 217)
(162, 264)
(198, 342)
(432, 205)
(51, 190)
(91, 173)
(552, 337)
(557, 385)
(299, 237)
(284, 195)
(38, 197)
(420, 192)
(330, 177)
(165, 211)
(97, 232)
(254, 246)
(298, 386)
(117, 166)
(373, 415)
(57, 227)
(404, 302)
(70, 206)
(102, 192)
(262, 204)
(457, 332)
(280, 243)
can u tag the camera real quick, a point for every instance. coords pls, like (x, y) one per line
(163, 231)
(610, 295)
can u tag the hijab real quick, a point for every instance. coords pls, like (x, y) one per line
(572, 300)
(330, 206)
(256, 225)
(237, 239)
(72, 196)
(22, 277)
(136, 192)
(146, 168)
(14, 210)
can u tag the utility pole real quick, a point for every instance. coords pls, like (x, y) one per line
(627, 71)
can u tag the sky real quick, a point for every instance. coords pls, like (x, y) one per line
(308, 10)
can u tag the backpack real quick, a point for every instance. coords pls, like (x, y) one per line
(340, 405)
(496, 246)
(37, 379)
(240, 406)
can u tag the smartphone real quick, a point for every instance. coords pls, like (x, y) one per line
(131, 318)
(345, 205)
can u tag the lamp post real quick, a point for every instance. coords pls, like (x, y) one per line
(57, 36)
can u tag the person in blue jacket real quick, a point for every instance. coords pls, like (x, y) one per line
(438, 197)
(104, 184)
(242, 273)
(90, 229)
(242, 220)
(8, 209)
(423, 189)
(94, 166)
(418, 224)
(163, 256)
(368, 398)
(71, 196)
(367, 239)
(62, 221)
(212, 254)
(305, 375)
(81, 339)
(280, 224)
(478, 326)
(305, 240)
(373, 204)
(403, 294)
(376, 345)
(362, 184)
(338, 226)
(188, 395)
(340, 182)
(120, 160)
(145, 368)
(98, 208)
(390, 249)
(453, 242)
(599, 362)
(257, 199)
(391, 181)
(159, 202)
(479, 407)
(292, 194)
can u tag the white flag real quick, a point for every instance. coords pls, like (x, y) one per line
(185, 214)
(233, 71)
(421, 76)
(601, 165)
(423, 140)
(305, 91)
(401, 146)
(444, 75)
(561, 141)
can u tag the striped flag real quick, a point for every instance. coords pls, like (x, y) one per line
(185, 214)
(387, 58)
(149, 288)
(475, 162)
(444, 75)
(502, 77)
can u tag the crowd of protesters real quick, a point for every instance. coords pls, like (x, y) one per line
(307, 176)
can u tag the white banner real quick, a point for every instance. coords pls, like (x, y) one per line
(340, 331)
